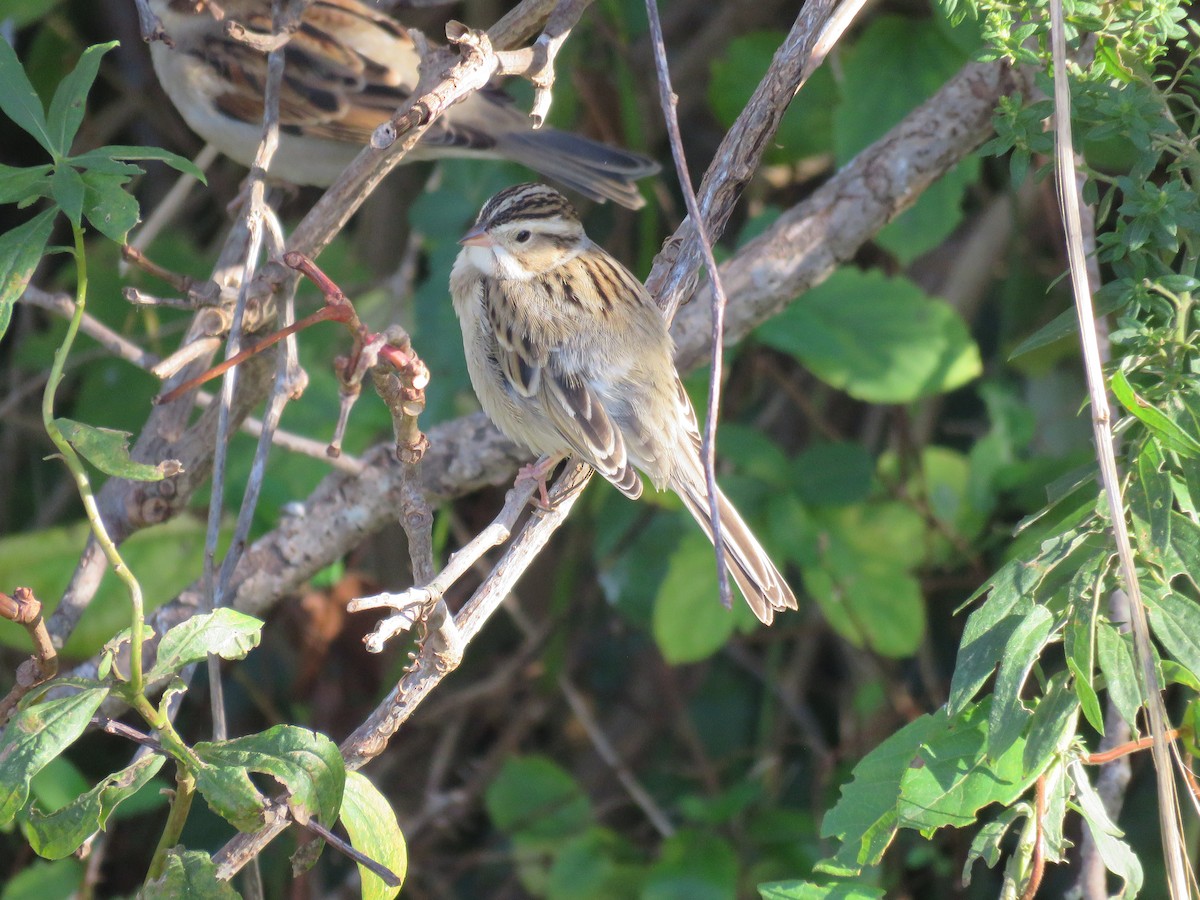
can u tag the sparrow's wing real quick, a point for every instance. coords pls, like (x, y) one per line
(532, 355)
(347, 68)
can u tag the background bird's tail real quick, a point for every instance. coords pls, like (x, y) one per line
(593, 169)
(760, 582)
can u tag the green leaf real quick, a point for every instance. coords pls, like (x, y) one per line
(951, 777)
(803, 890)
(224, 632)
(865, 818)
(692, 865)
(98, 159)
(60, 833)
(308, 764)
(988, 630)
(1066, 324)
(36, 735)
(1114, 652)
(1150, 500)
(689, 624)
(914, 58)
(108, 451)
(862, 577)
(535, 799)
(20, 252)
(1176, 623)
(1172, 436)
(68, 105)
(1088, 701)
(1022, 650)
(880, 339)
(986, 845)
(807, 126)
(19, 101)
(836, 474)
(108, 206)
(371, 823)
(19, 184)
(597, 864)
(1079, 636)
(58, 880)
(67, 190)
(1052, 721)
(190, 874)
(25, 12)
(1117, 855)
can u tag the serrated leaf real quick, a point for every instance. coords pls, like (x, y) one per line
(224, 632)
(1021, 651)
(67, 107)
(371, 823)
(109, 208)
(108, 451)
(19, 101)
(36, 735)
(865, 818)
(1117, 855)
(190, 874)
(952, 777)
(879, 339)
(1171, 435)
(308, 764)
(20, 252)
(60, 833)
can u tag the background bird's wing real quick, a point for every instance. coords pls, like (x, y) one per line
(347, 69)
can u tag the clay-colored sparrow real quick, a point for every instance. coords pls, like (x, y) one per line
(569, 355)
(348, 67)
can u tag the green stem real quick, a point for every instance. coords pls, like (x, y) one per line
(181, 804)
(76, 467)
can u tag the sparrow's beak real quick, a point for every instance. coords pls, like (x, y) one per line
(477, 237)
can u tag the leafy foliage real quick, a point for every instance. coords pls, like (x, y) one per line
(884, 435)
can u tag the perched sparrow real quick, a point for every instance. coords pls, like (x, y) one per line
(347, 69)
(569, 354)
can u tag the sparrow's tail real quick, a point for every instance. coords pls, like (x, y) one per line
(593, 169)
(760, 582)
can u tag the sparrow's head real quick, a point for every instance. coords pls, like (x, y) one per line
(524, 231)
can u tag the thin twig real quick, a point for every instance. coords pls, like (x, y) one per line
(390, 878)
(708, 447)
(816, 29)
(1173, 850)
(256, 213)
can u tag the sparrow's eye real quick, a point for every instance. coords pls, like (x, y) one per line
(523, 236)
